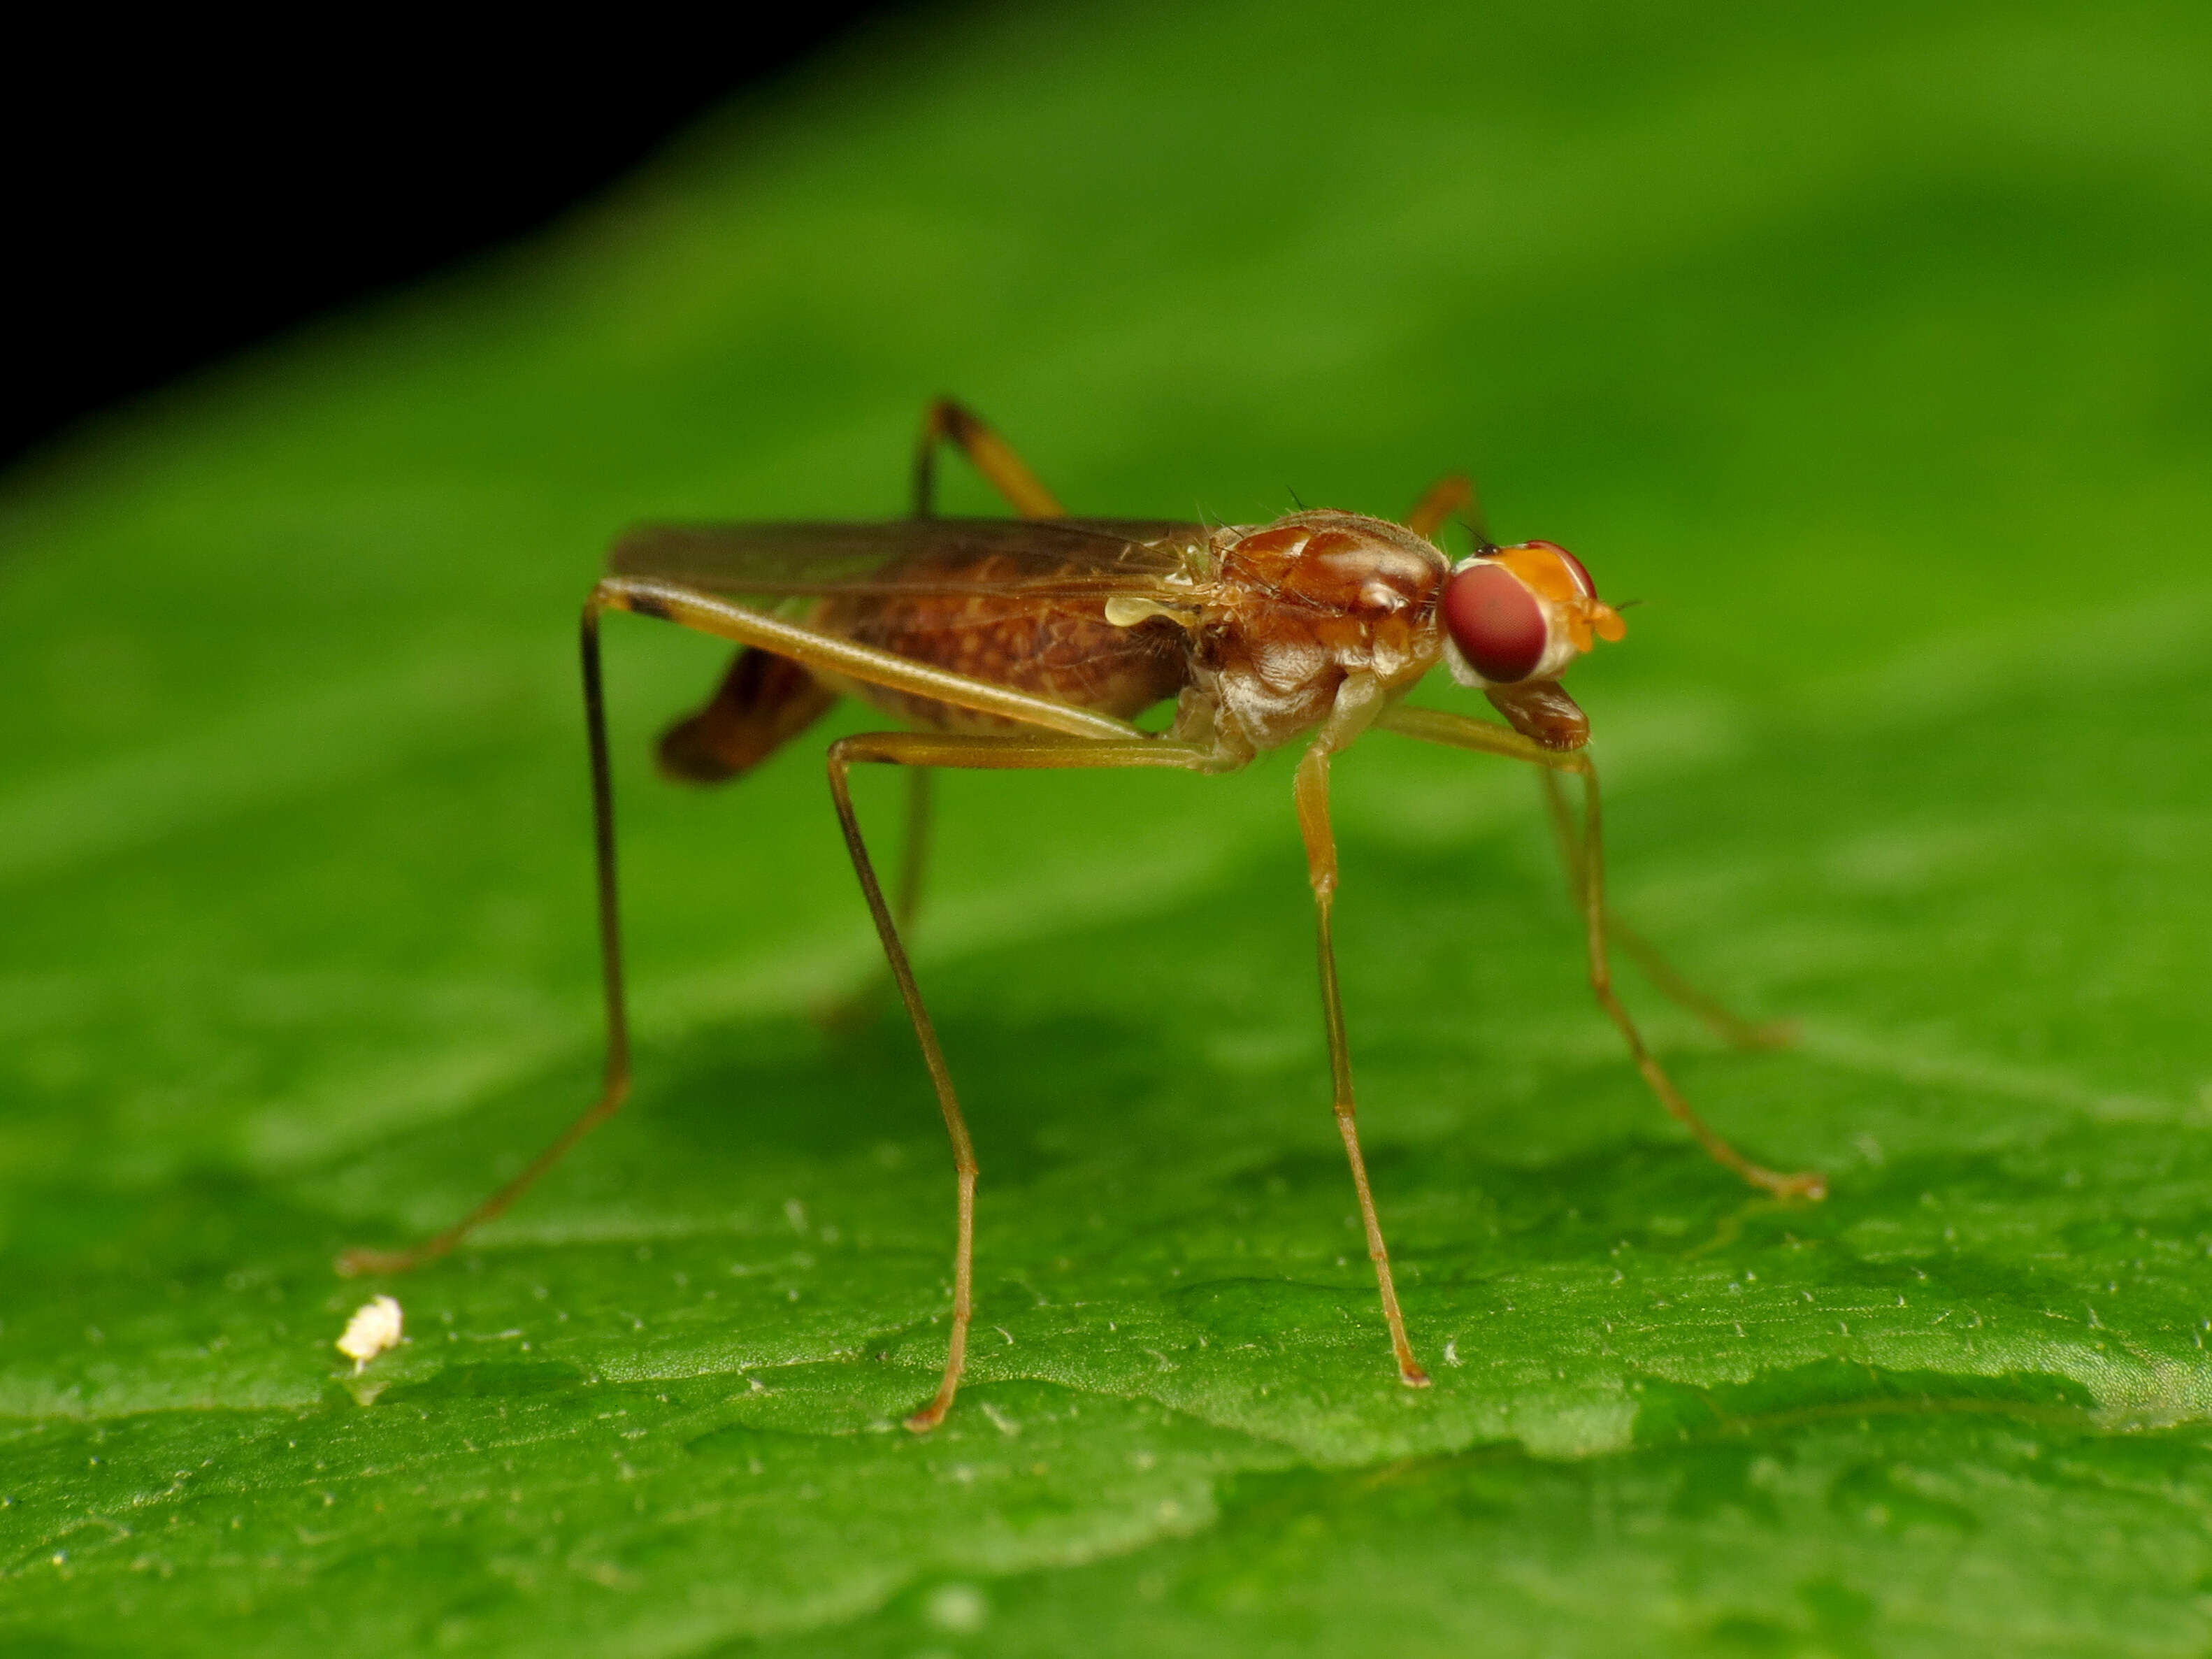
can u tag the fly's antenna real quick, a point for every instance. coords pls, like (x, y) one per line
(1476, 520)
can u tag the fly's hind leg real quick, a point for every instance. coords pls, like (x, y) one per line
(762, 703)
(764, 700)
(1730, 1027)
(776, 641)
(947, 422)
(614, 1088)
(1458, 732)
(918, 749)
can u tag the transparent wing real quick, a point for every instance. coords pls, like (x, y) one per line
(1041, 558)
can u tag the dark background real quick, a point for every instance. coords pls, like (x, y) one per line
(174, 199)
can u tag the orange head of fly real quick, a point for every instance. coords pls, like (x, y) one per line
(1521, 613)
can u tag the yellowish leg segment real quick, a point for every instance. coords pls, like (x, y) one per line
(923, 749)
(724, 619)
(943, 422)
(1356, 708)
(859, 1008)
(615, 1087)
(947, 422)
(1731, 1028)
(1460, 732)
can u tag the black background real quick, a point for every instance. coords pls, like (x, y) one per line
(179, 189)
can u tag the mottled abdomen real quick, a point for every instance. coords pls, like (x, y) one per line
(1063, 649)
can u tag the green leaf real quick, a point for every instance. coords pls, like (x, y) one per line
(1869, 347)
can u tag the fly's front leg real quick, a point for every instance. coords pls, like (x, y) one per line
(1804, 1184)
(989, 753)
(1729, 1027)
(1458, 732)
(947, 422)
(1356, 705)
(615, 1087)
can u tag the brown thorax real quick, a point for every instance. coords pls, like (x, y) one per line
(1292, 611)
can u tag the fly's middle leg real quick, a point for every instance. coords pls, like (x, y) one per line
(859, 1008)
(921, 749)
(1311, 792)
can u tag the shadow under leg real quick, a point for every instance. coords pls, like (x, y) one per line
(947, 422)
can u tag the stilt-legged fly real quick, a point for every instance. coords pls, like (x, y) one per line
(1034, 642)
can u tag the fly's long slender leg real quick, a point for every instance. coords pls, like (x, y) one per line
(1458, 731)
(1804, 1184)
(947, 422)
(726, 619)
(615, 1087)
(764, 700)
(1311, 793)
(990, 753)
(1730, 1027)
(859, 1008)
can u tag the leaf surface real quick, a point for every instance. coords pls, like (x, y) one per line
(1868, 349)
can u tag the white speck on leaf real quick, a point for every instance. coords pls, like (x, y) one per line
(374, 1326)
(960, 1608)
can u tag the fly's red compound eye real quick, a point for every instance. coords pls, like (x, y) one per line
(1495, 621)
